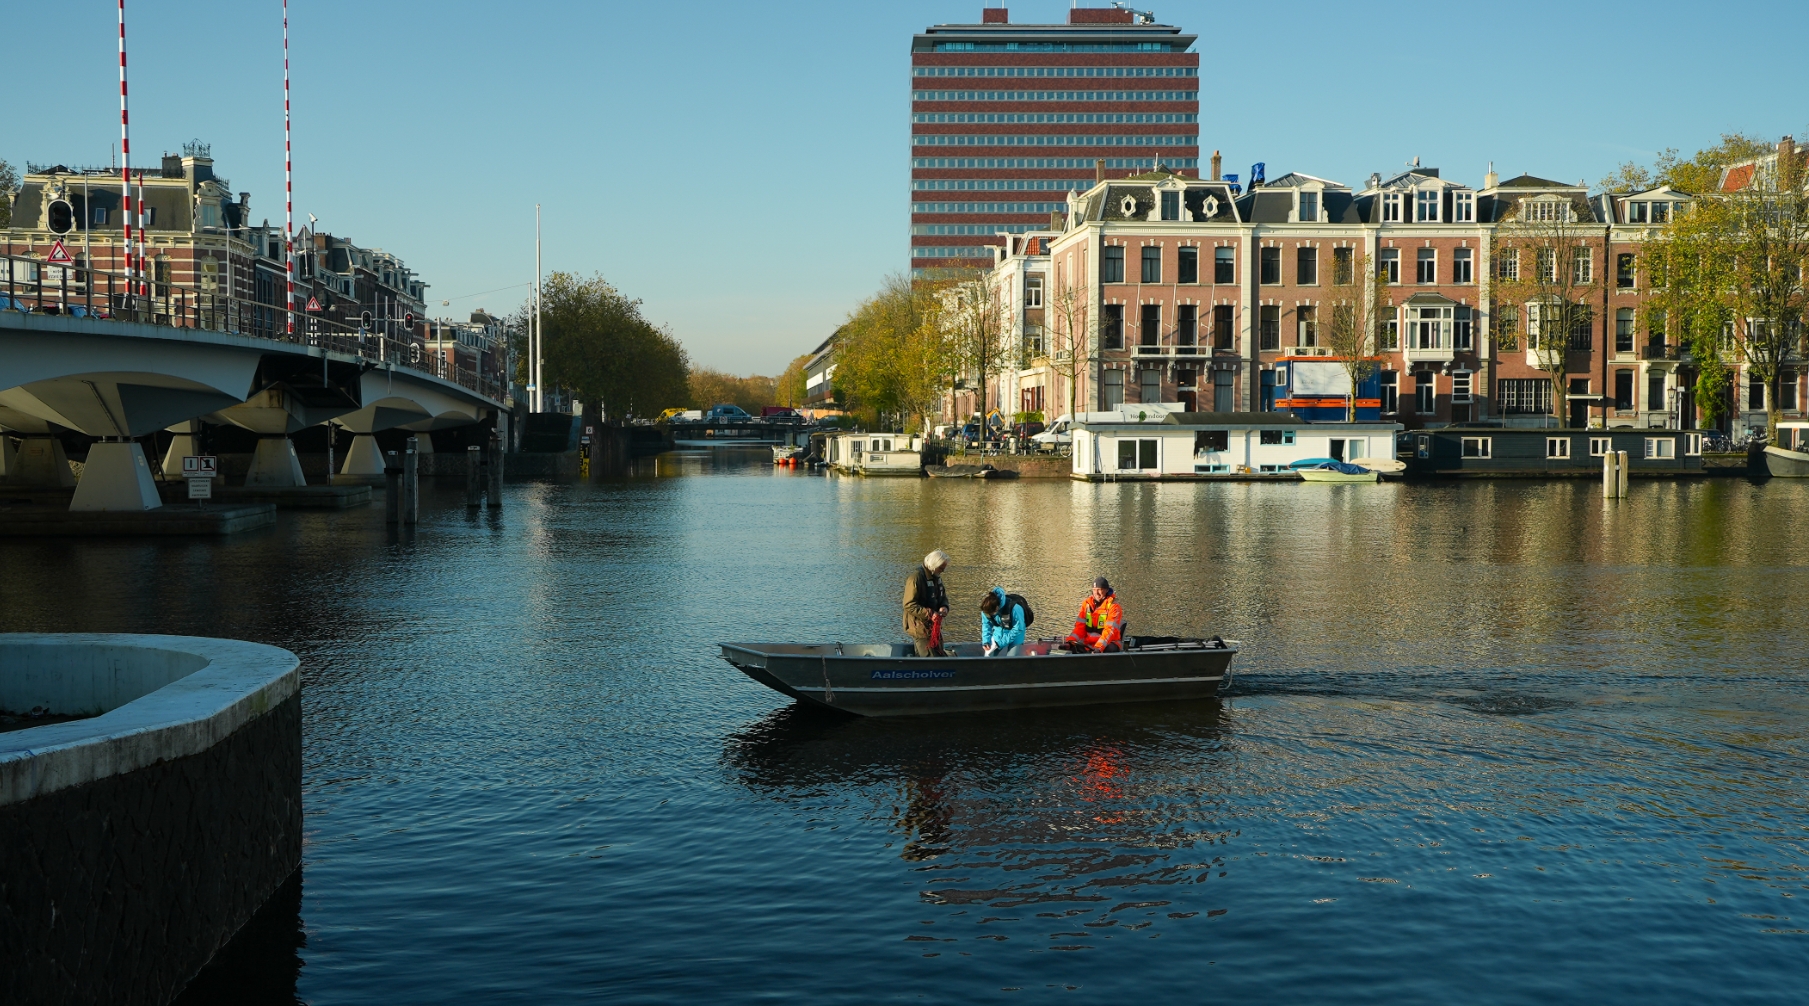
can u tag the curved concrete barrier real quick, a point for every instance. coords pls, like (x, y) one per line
(140, 839)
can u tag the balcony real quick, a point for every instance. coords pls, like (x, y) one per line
(1659, 351)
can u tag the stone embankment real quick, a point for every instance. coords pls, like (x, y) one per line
(140, 838)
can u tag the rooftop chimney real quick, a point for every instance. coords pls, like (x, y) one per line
(1098, 171)
(995, 15)
(1216, 162)
(1491, 179)
(1788, 176)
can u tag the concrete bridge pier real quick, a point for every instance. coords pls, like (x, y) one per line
(274, 464)
(9, 461)
(39, 461)
(185, 443)
(116, 477)
(363, 462)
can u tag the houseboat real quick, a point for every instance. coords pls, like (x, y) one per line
(1789, 457)
(1137, 443)
(1487, 451)
(874, 453)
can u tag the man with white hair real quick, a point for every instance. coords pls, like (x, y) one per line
(925, 604)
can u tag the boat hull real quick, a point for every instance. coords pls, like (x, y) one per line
(1326, 475)
(1785, 464)
(885, 679)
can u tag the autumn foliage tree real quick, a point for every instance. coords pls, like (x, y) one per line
(598, 347)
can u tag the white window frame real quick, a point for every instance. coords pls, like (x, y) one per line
(1419, 387)
(1139, 441)
(1692, 445)
(1638, 212)
(1557, 448)
(1033, 291)
(1425, 200)
(1599, 446)
(1463, 207)
(1507, 263)
(1661, 448)
(1391, 264)
(1391, 207)
(1308, 207)
(1484, 447)
(1420, 258)
(1584, 266)
(1461, 384)
(1463, 265)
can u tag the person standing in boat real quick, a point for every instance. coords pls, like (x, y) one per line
(925, 605)
(1099, 628)
(1003, 618)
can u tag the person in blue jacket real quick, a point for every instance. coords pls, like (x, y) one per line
(1001, 623)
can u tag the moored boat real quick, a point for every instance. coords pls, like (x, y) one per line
(1786, 464)
(887, 679)
(1337, 471)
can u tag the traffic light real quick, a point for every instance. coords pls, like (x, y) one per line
(62, 216)
(364, 319)
(408, 320)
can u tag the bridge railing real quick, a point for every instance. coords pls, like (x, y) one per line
(34, 286)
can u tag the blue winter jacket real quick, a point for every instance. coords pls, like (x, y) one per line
(992, 627)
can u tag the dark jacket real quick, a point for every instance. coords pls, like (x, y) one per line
(923, 597)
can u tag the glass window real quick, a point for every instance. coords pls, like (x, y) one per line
(1281, 437)
(1461, 329)
(1655, 391)
(1477, 447)
(1152, 264)
(1111, 264)
(1661, 447)
(1426, 263)
(1187, 324)
(1557, 447)
(1599, 446)
(1391, 207)
(1425, 393)
(1623, 390)
(1507, 263)
(1306, 266)
(1171, 205)
(1636, 212)
(1309, 326)
(1188, 270)
(1221, 326)
(1224, 265)
(1033, 291)
(1462, 262)
(1623, 271)
(1623, 330)
(1391, 265)
(1460, 387)
(1391, 390)
(1309, 207)
(1271, 266)
(1268, 320)
(1111, 327)
(1463, 207)
(1150, 325)
(1425, 206)
(1342, 264)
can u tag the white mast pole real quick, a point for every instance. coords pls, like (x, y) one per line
(539, 391)
(288, 186)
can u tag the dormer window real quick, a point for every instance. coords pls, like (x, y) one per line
(1545, 211)
(1463, 207)
(1309, 207)
(1661, 212)
(1638, 213)
(1171, 205)
(1391, 207)
(1425, 206)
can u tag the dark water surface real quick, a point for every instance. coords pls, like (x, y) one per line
(1488, 742)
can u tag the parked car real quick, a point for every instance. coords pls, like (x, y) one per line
(669, 415)
(688, 416)
(9, 304)
(1029, 429)
(781, 414)
(727, 413)
(1059, 432)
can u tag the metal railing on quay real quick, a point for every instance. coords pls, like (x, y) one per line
(35, 286)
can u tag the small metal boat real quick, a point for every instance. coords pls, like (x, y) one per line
(1337, 471)
(888, 679)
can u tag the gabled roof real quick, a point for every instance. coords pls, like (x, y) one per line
(1294, 180)
(1535, 182)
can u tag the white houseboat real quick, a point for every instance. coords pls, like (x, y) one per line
(1140, 442)
(875, 453)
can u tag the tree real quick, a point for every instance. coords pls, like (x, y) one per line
(1069, 337)
(9, 183)
(1734, 266)
(598, 346)
(975, 315)
(1356, 306)
(789, 387)
(1545, 263)
(1701, 173)
(892, 353)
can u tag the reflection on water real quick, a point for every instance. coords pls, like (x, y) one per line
(1488, 741)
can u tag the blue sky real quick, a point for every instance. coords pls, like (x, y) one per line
(742, 167)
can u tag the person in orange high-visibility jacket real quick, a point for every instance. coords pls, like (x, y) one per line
(1100, 625)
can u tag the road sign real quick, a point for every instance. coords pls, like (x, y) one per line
(313, 304)
(201, 489)
(590, 429)
(59, 255)
(200, 466)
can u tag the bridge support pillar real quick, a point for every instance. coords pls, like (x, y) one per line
(9, 457)
(275, 464)
(185, 443)
(39, 461)
(363, 463)
(116, 477)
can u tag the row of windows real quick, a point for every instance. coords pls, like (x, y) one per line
(1055, 95)
(1224, 265)
(998, 208)
(1149, 326)
(1428, 206)
(1581, 266)
(1056, 140)
(975, 229)
(1055, 71)
(1001, 184)
(1055, 117)
(956, 251)
(1047, 162)
(1058, 47)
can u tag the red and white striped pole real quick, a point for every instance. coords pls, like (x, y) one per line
(144, 271)
(288, 183)
(125, 151)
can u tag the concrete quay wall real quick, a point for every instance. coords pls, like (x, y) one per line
(140, 840)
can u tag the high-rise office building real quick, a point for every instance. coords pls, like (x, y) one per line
(1007, 119)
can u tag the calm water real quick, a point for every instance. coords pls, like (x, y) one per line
(1489, 742)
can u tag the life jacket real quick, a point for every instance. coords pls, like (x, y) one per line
(1003, 618)
(1104, 619)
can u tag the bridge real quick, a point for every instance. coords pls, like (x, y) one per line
(128, 370)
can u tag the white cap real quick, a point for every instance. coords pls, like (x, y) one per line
(935, 560)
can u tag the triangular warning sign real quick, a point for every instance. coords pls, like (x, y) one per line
(313, 304)
(59, 255)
